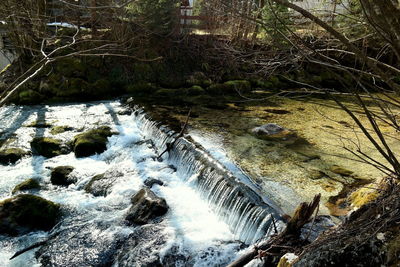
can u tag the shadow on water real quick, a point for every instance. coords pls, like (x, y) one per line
(37, 161)
(24, 113)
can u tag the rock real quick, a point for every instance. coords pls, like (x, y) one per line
(60, 129)
(11, 155)
(274, 132)
(91, 142)
(99, 185)
(341, 171)
(26, 185)
(241, 86)
(24, 213)
(195, 90)
(29, 97)
(149, 182)
(60, 176)
(143, 247)
(146, 206)
(48, 147)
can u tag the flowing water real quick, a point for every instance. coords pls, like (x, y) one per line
(212, 213)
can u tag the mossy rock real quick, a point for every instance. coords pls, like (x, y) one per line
(48, 147)
(141, 88)
(241, 86)
(91, 142)
(170, 93)
(60, 176)
(217, 89)
(29, 184)
(195, 91)
(199, 79)
(30, 97)
(60, 129)
(25, 213)
(11, 155)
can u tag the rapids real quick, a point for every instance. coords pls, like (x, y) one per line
(212, 213)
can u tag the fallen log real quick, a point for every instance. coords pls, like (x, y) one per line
(273, 249)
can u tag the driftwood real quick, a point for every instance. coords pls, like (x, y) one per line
(170, 145)
(272, 250)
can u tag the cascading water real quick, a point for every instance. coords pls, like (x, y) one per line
(209, 208)
(238, 205)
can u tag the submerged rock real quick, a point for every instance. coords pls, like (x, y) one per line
(149, 182)
(274, 132)
(24, 213)
(99, 185)
(60, 176)
(11, 155)
(91, 142)
(143, 247)
(26, 185)
(48, 147)
(146, 206)
(340, 170)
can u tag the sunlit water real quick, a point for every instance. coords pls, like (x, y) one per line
(93, 225)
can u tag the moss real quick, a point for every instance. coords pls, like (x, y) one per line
(26, 185)
(11, 155)
(141, 88)
(363, 196)
(60, 129)
(25, 212)
(30, 97)
(47, 147)
(171, 93)
(217, 89)
(195, 91)
(91, 142)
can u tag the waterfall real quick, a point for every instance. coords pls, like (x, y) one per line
(247, 215)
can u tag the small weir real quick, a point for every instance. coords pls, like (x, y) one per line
(248, 217)
(211, 211)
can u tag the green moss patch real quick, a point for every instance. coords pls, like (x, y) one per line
(26, 185)
(47, 147)
(24, 213)
(91, 142)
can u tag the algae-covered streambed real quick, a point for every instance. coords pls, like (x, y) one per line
(292, 172)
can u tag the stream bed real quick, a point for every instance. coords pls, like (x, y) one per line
(212, 214)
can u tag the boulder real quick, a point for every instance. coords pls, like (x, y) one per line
(26, 185)
(149, 182)
(91, 142)
(146, 206)
(11, 155)
(274, 132)
(48, 147)
(99, 185)
(25, 213)
(60, 176)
